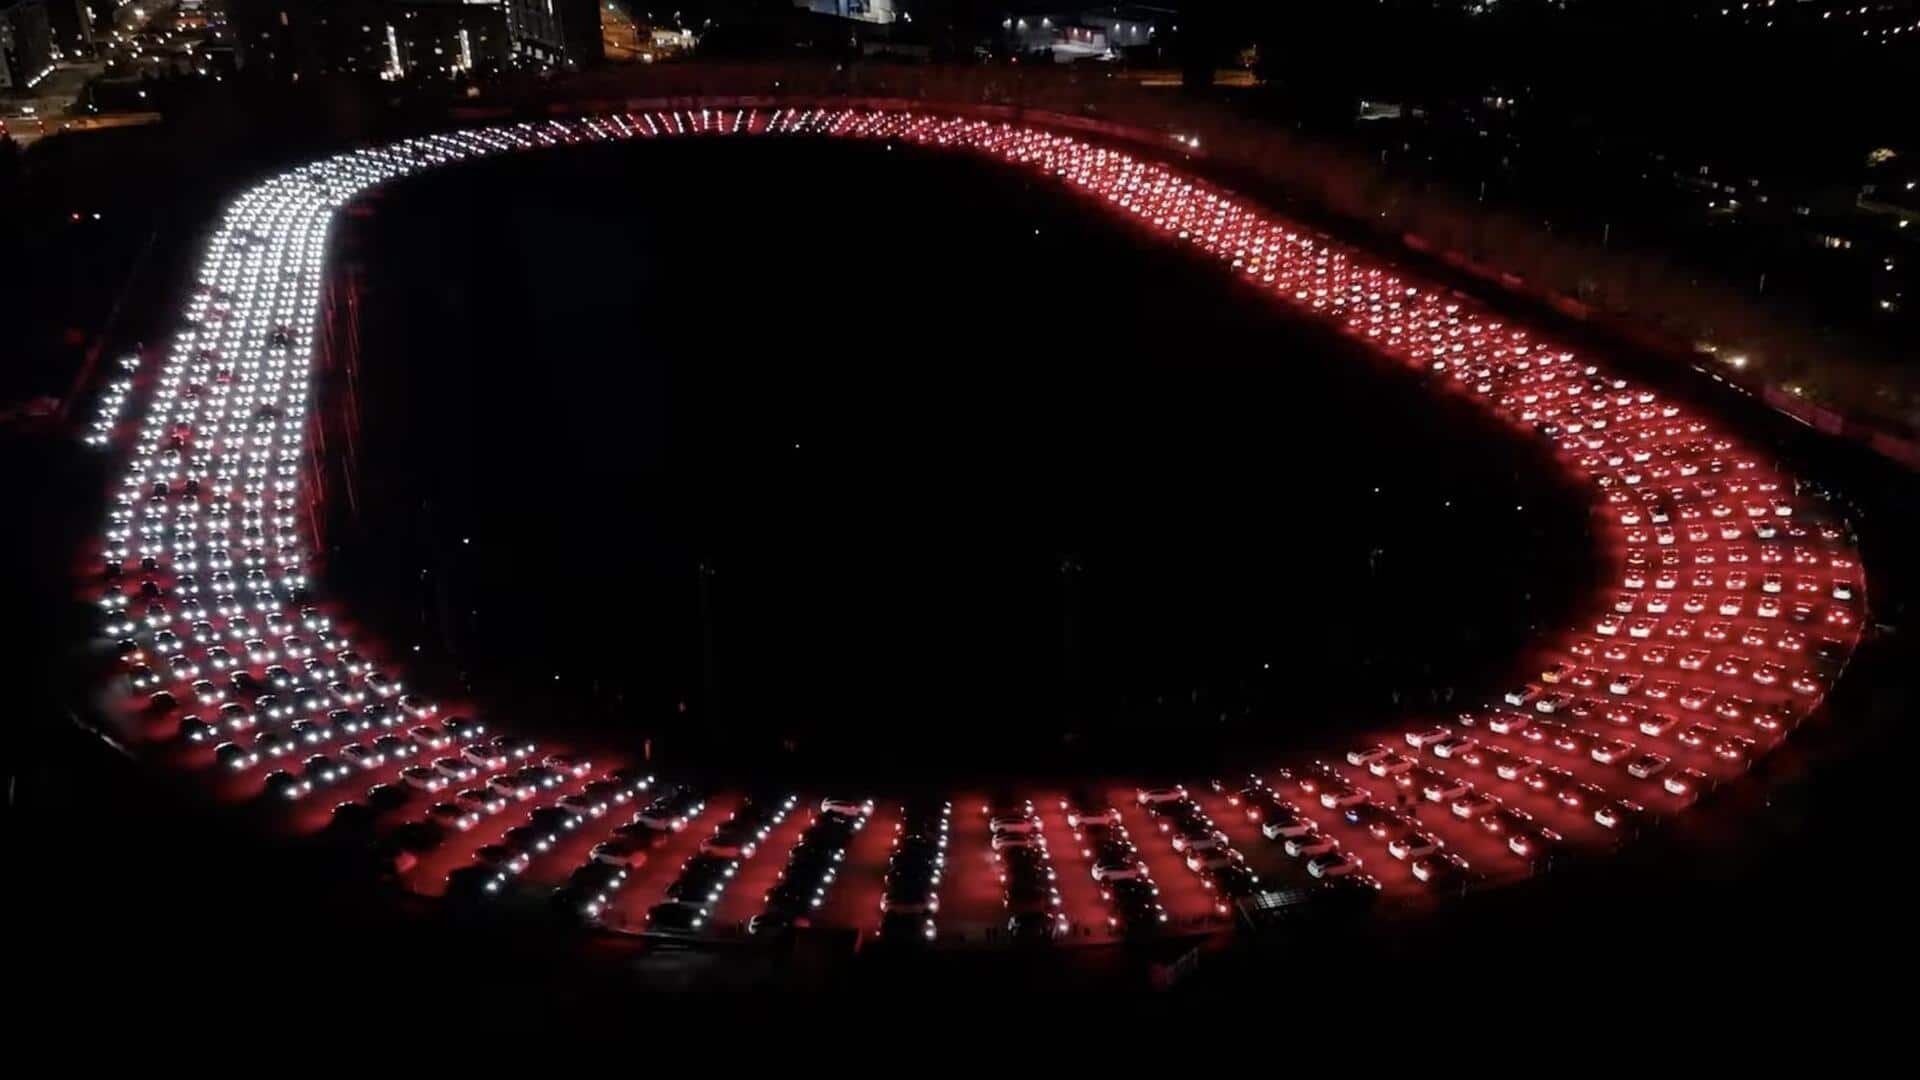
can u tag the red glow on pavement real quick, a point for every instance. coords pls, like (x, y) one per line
(855, 898)
(747, 896)
(1189, 905)
(647, 885)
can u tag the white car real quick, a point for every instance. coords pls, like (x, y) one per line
(1367, 756)
(1618, 814)
(1212, 859)
(1521, 697)
(1686, 783)
(1077, 818)
(1453, 744)
(1118, 870)
(1611, 751)
(1553, 702)
(1507, 723)
(1333, 864)
(1199, 841)
(1446, 789)
(1420, 740)
(1658, 724)
(1412, 846)
(1474, 804)
(1647, 766)
(1155, 796)
(1340, 798)
(1442, 864)
(1395, 764)
(1517, 768)
(1311, 843)
(1285, 827)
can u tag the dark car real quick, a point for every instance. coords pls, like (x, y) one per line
(417, 837)
(700, 889)
(283, 786)
(351, 819)
(1137, 917)
(793, 897)
(1034, 928)
(554, 820)
(1130, 890)
(675, 917)
(632, 778)
(527, 839)
(772, 923)
(573, 903)
(902, 928)
(912, 875)
(472, 883)
(640, 836)
(382, 798)
(1233, 880)
(597, 877)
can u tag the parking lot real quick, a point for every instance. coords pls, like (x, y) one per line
(1735, 599)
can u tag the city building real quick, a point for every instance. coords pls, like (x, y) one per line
(395, 39)
(867, 11)
(555, 33)
(27, 52)
(1094, 32)
(439, 40)
(70, 25)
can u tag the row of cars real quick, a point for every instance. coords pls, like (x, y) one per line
(569, 803)
(1116, 866)
(668, 812)
(690, 897)
(916, 868)
(1026, 872)
(813, 865)
(1203, 847)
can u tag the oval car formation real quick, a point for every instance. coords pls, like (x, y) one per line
(1733, 602)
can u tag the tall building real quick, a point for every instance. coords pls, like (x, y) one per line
(869, 11)
(555, 33)
(71, 26)
(26, 45)
(441, 40)
(290, 40)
